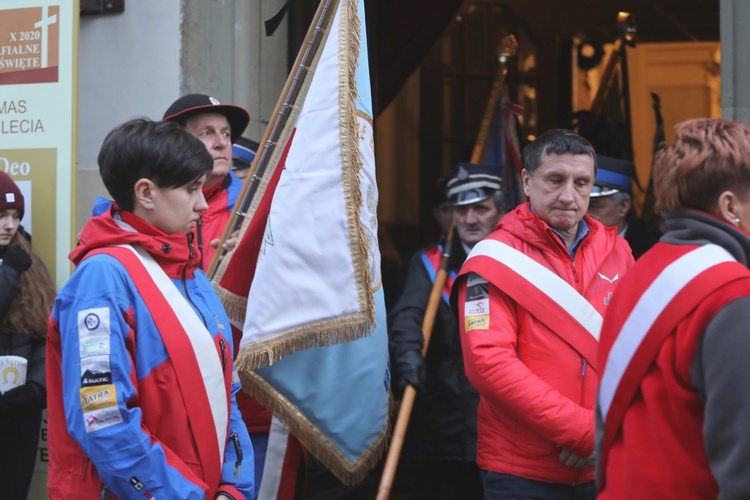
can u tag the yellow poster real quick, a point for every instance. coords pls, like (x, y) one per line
(30, 50)
(38, 123)
(38, 67)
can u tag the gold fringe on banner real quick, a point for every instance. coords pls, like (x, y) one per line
(347, 471)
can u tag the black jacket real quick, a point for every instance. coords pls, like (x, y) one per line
(25, 345)
(444, 419)
(639, 235)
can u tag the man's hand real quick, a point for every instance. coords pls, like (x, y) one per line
(591, 460)
(570, 459)
(229, 244)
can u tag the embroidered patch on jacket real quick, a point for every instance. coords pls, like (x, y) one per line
(477, 315)
(94, 346)
(477, 305)
(102, 418)
(476, 287)
(479, 323)
(95, 371)
(93, 321)
(98, 397)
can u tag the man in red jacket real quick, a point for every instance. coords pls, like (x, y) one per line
(530, 300)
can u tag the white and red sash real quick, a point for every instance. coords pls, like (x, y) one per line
(191, 351)
(648, 310)
(544, 294)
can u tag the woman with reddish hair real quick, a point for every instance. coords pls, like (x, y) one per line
(674, 396)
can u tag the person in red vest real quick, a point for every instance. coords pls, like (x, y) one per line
(443, 429)
(530, 299)
(674, 401)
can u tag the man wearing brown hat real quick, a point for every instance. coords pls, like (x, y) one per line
(218, 126)
(444, 422)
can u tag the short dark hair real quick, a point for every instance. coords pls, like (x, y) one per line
(159, 151)
(555, 141)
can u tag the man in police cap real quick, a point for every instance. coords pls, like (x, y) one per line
(243, 154)
(218, 126)
(443, 428)
(611, 203)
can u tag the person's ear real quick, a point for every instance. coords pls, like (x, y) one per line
(624, 207)
(726, 205)
(525, 179)
(144, 193)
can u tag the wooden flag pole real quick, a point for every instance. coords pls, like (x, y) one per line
(506, 50)
(407, 401)
(626, 28)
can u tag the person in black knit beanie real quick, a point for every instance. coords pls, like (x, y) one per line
(26, 296)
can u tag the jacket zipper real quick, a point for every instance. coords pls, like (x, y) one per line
(223, 346)
(238, 453)
(583, 379)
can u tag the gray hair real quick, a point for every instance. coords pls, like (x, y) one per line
(556, 141)
(620, 196)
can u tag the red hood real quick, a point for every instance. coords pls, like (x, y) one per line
(171, 251)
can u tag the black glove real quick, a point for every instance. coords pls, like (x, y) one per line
(17, 258)
(23, 399)
(411, 371)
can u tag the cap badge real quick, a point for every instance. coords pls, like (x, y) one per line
(214, 101)
(462, 174)
(10, 198)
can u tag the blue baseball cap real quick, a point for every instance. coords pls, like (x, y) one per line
(243, 153)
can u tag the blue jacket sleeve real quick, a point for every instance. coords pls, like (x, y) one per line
(238, 472)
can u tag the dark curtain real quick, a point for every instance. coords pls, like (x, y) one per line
(400, 34)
